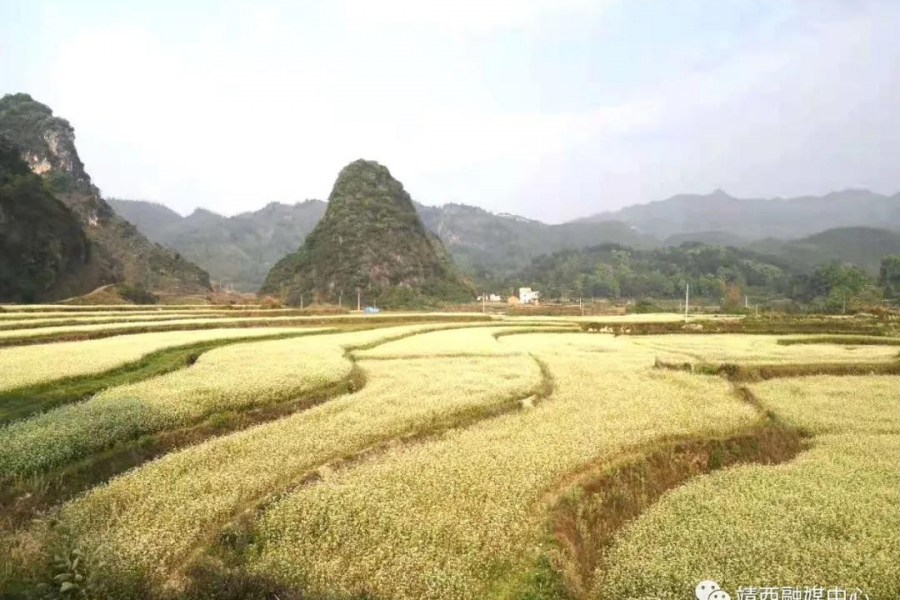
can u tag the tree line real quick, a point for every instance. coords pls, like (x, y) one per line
(724, 275)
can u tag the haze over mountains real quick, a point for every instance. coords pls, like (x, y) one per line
(856, 226)
(61, 238)
(238, 250)
(759, 218)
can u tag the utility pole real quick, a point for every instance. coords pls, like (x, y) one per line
(483, 300)
(358, 300)
(301, 301)
(746, 301)
(687, 300)
(341, 299)
(581, 306)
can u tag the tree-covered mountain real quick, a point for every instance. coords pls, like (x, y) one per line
(484, 243)
(614, 271)
(861, 246)
(758, 218)
(712, 238)
(490, 248)
(719, 274)
(119, 253)
(370, 240)
(44, 254)
(241, 249)
(152, 219)
(238, 250)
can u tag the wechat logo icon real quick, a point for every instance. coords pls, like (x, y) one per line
(710, 590)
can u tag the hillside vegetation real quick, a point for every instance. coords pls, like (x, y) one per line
(488, 245)
(119, 253)
(861, 246)
(612, 271)
(723, 275)
(493, 248)
(44, 254)
(370, 240)
(238, 250)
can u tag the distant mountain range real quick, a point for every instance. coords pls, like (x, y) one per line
(861, 246)
(754, 219)
(61, 238)
(482, 242)
(855, 226)
(239, 250)
(243, 248)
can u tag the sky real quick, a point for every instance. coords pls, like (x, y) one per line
(551, 109)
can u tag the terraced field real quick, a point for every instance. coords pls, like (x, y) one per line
(438, 456)
(41, 363)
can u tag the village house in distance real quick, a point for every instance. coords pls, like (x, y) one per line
(490, 298)
(526, 296)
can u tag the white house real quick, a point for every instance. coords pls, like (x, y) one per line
(490, 298)
(528, 296)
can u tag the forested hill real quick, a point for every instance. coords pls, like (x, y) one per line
(493, 247)
(238, 250)
(612, 271)
(241, 249)
(485, 244)
(723, 275)
(119, 252)
(372, 241)
(861, 246)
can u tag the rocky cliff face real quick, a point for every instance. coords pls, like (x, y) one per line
(119, 252)
(47, 143)
(370, 239)
(44, 253)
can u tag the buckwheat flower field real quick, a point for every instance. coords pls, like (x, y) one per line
(204, 453)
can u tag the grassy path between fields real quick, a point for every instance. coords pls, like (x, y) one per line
(22, 402)
(869, 327)
(589, 509)
(586, 512)
(204, 562)
(25, 501)
(215, 568)
(23, 498)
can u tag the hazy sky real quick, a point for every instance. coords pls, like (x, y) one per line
(551, 109)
